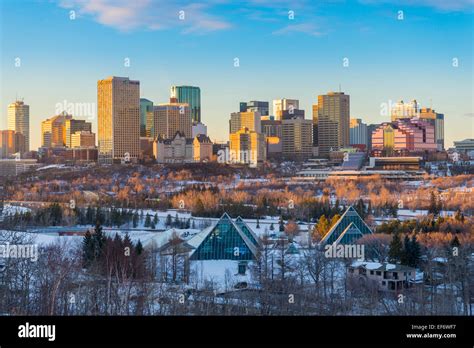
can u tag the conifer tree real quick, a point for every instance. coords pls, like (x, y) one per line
(395, 249)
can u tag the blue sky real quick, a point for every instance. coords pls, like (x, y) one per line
(389, 59)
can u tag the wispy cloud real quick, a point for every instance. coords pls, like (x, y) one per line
(129, 15)
(306, 28)
(442, 5)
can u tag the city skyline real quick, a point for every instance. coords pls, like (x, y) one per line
(372, 76)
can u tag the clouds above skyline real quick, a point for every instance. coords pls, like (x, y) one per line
(126, 15)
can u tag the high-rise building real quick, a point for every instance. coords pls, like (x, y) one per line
(118, 103)
(191, 96)
(297, 139)
(404, 135)
(358, 132)
(315, 125)
(281, 105)
(170, 118)
(146, 117)
(248, 119)
(53, 131)
(72, 126)
(402, 110)
(437, 120)
(19, 120)
(255, 106)
(271, 127)
(247, 147)
(333, 111)
(11, 143)
(82, 139)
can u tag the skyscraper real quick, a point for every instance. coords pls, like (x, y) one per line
(249, 119)
(358, 132)
(170, 118)
(437, 120)
(53, 131)
(190, 95)
(19, 120)
(146, 117)
(332, 122)
(281, 105)
(297, 138)
(247, 147)
(402, 110)
(11, 143)
(72, 126)
(255, 106)
(118, 104)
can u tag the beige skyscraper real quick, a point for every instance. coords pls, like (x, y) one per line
(53, 131)
(333, 119)
(247, 147)
(72, 126)
(19, 120)
(297, 138)
(118, 110)
(170, 118)
(248, 119)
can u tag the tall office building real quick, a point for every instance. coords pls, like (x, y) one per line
(297, 138)
(248, 119)
(358, 132)
(247, 147)
(118, 104)
(11, 143)
(170, 118)
(437, 120)
(405, 110)
(19, 120)
(72, 126)
(255, 106)
(146, 117)
(281, 105)
(315, 125)
(191, 96)
(53, 131)
(332, 122)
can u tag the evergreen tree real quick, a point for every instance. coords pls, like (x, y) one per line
(135, 220)
(87, 249)
(258, 223)
(406, 254)
(90, 215)
(415, 250)
(455, 242)
(147, 220)
(395, 249)
(176, 221)
(155, 219)
(99, 240)
(272, 228)
(282, 224)
(139, 247)
(168, 220)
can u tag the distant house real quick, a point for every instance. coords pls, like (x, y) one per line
(387, 276)
(349, 228)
